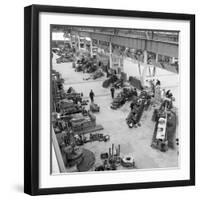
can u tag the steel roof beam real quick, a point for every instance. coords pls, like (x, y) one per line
(159, 47)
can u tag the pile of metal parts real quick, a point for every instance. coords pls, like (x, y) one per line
(118, 101)
(97, 74)
(86, 64)
(126, 94)
(113, 160)
(65, 55)
(110, 80)
(65, 58)
(118, 84)
(94, 107)
(90, 65)
(138, 105)
(129, 93)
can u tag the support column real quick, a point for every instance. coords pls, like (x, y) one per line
(85, 46)
(119, 65)
(122, 63)
(154, 71)
(143, 75)
(145, 56)
(91, 52)
(78, 42)
(70, 39)
(110, 54)
(156, 57)
(144, 72)
(139, 69)
(150, 74)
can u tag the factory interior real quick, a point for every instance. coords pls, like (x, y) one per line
(114, 99)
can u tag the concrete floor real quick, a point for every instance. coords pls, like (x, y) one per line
(135, 141)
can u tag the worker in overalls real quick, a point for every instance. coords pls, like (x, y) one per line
(135, 92)
(132, 105)
(112, 90)
(91, 96)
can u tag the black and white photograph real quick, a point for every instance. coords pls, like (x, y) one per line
(100, 100)
(115, 99)
(109, 100)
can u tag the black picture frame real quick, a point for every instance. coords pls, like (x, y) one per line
(31, 98)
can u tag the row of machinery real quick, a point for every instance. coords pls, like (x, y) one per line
(71, 121)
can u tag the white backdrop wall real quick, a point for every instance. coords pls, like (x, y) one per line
(11, 101)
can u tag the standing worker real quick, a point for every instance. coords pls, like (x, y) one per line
(135, 92)
(132, 105)
(91, 96)
(112, 90)
(158, 82)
